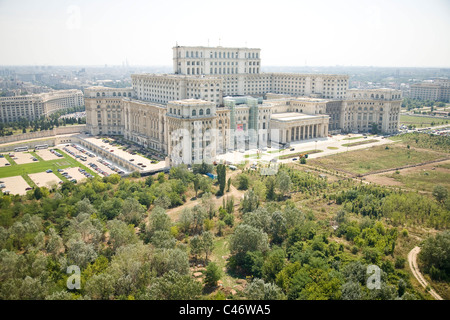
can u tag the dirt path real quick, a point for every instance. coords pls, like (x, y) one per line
(412, 260)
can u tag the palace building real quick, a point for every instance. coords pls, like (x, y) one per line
(218, 100)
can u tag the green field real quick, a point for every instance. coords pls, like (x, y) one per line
(353, 144)
(23, 169)
(423, 180)
(375, 158)
(421, 121)
(291, 155)
(352, 138)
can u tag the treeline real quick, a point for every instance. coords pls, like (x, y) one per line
(409, 103)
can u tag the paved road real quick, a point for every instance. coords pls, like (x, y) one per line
(412, 260)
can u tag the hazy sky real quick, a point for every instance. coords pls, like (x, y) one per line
(412, 33)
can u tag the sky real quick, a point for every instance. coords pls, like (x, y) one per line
(395, 33)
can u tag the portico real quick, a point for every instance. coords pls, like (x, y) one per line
(294, 126)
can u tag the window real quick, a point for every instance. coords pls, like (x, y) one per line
(194, 112)
(208, 111)
(200, 112)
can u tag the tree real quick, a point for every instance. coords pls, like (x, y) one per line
(351, 291)
(196, 246)
(259, 290)
(132, 211)
(212, 275)
(80, 253)
(174, 286)
(270, 188)
(247, 238)
(273, 264)
(228, 184)
(435, 254)
(250, 201)
(440, 193)
(120, 234)
(196, 181)
(222, 178)
(284, 182)
(207, 243)
(158, 221)
(243, 182)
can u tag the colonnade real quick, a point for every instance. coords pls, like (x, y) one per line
(303, 132)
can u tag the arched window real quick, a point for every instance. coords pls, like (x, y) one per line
(119, 94)
(194, 112)
(200, 112)
(382, 96)
(208, 111)
(129, 94)
(114, 94)
(103, 94)
(98, 94)
(376, 97)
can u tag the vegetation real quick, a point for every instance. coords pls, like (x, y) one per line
(292, 235)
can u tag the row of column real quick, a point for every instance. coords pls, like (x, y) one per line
(310, 131)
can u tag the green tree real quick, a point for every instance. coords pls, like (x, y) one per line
(174, 286)
(222, 178)
(440, 193)
(243, 182)
(212, 275)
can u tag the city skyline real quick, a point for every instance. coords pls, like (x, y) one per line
(353, 33)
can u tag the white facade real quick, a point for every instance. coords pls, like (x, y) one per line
(32, 107)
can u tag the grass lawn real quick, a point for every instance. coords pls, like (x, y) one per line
(421, 121)
(290, 155)
(23, 169)
(332, 148)
(352, 138)
(353, 144)
(375, 158)
(423, 180)
(275, 151)
(220, 251)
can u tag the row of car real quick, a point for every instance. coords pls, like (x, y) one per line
(90, 154)
(113, 168)
(56, 153)
(96, 168)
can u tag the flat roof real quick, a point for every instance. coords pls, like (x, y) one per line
(293, 116)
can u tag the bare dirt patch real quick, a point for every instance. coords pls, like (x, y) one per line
(75, 174)
(46, 155)
(15, 185)
(44, 179)
(22, 157)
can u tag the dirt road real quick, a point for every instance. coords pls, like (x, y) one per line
(412, 260)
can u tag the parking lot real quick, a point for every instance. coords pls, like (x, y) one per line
(131, 157)
(14, 185)
(75, 173)
(88, 158)
(44, 179)
(46, 154)
(3, 161)
(21, 157)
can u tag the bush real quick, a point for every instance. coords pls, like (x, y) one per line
(399, 263)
